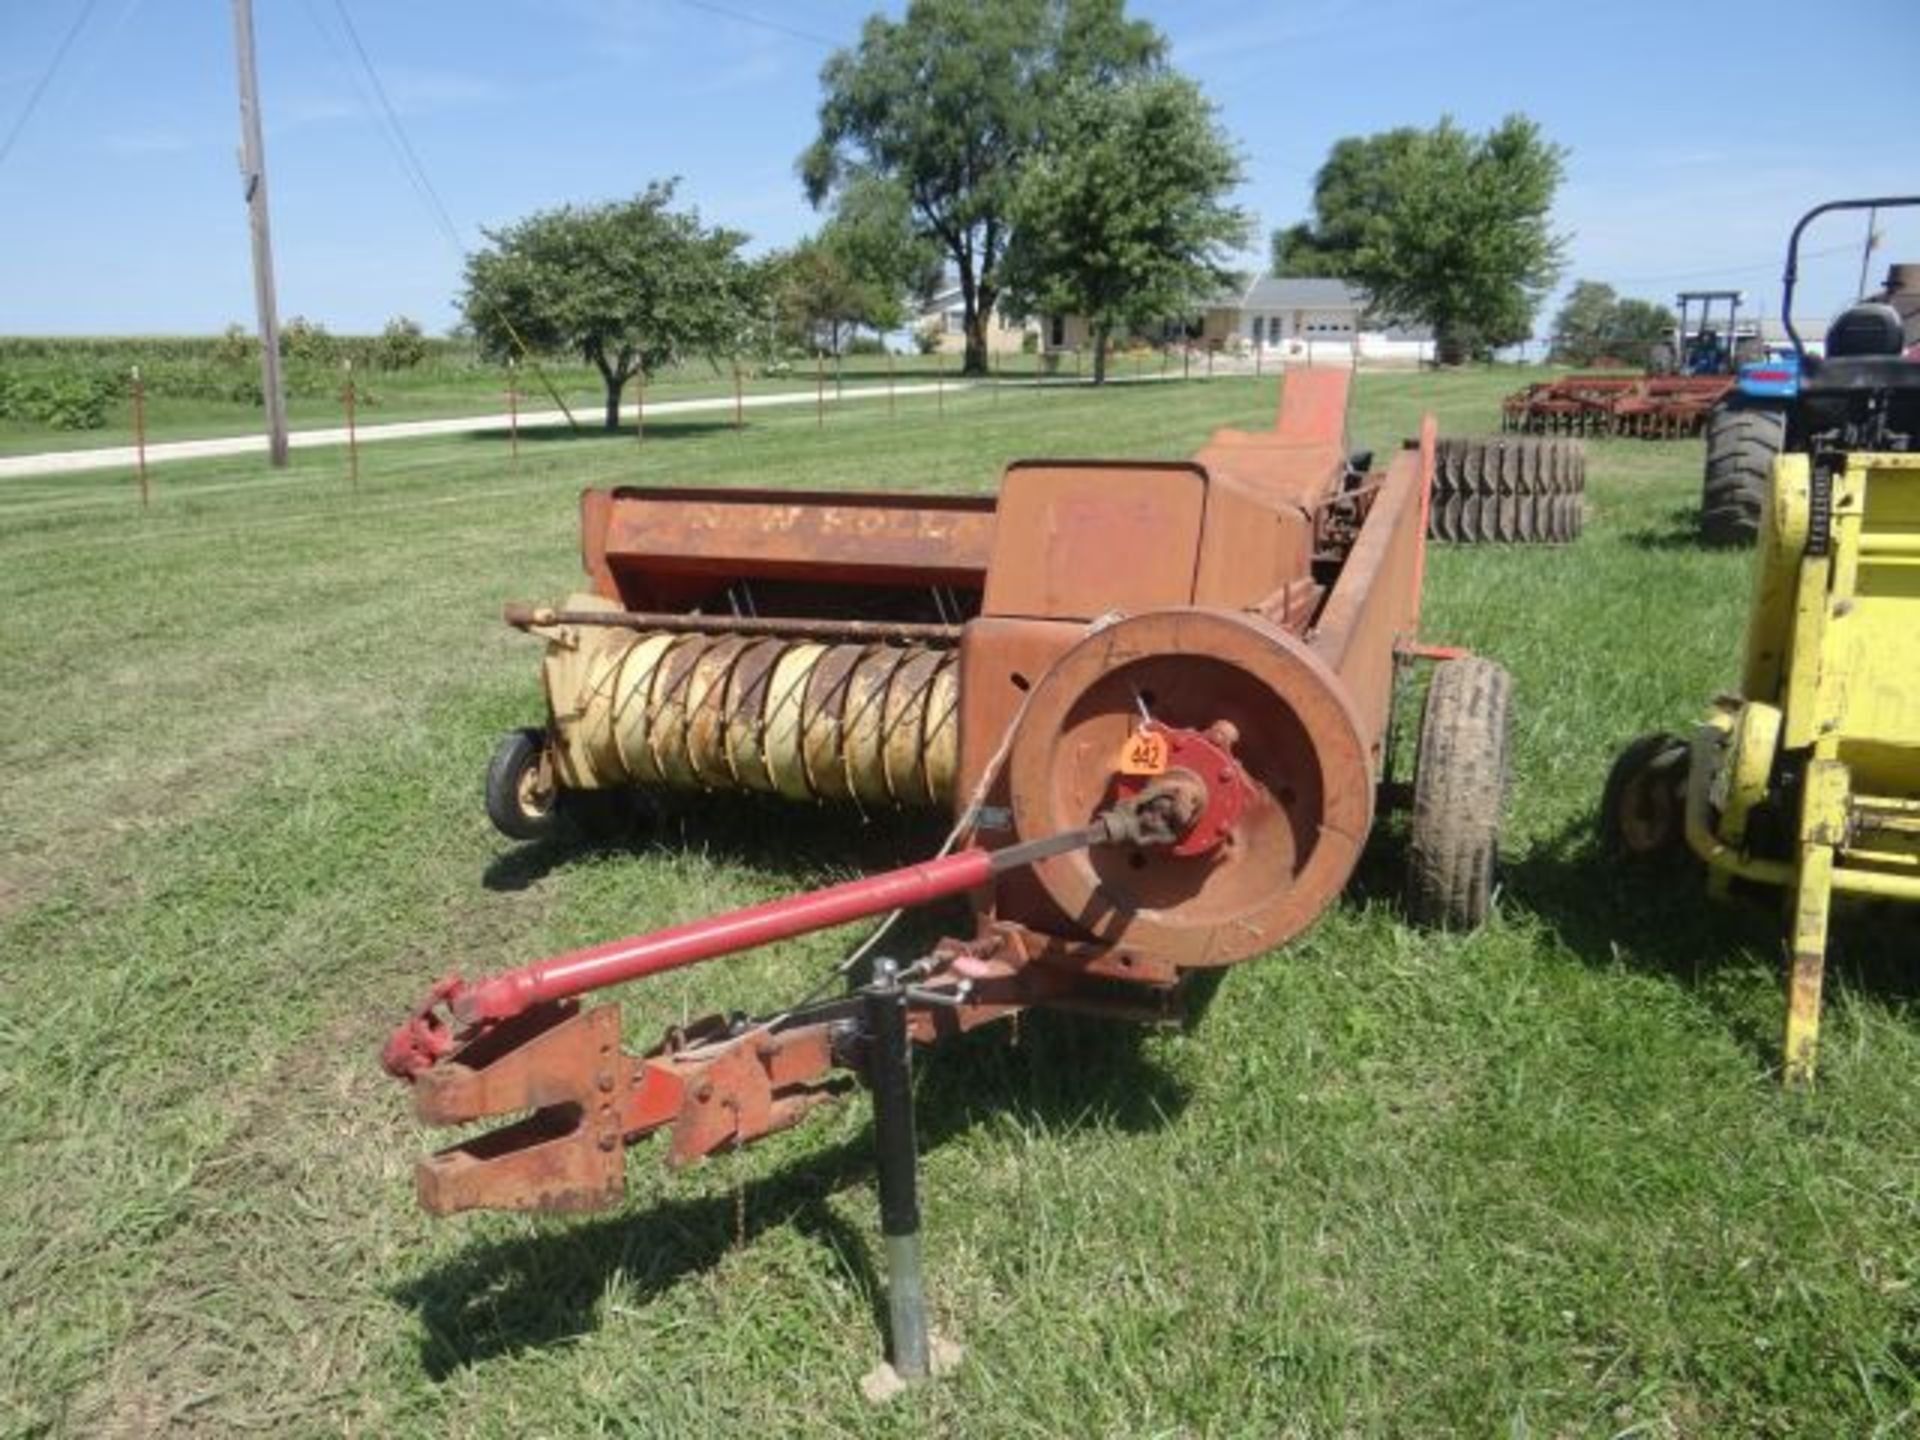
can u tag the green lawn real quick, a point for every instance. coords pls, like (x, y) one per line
(1537, 1181)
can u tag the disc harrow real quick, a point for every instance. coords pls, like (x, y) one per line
(1646, 407)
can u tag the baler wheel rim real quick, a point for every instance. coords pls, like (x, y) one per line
(1460, 782)
(522, 803)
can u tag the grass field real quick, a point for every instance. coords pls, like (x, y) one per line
(1536, 1181)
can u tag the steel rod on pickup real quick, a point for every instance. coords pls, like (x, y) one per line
(524, 617)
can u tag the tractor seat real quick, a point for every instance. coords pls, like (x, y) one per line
(1864, 352)
(1870, 329)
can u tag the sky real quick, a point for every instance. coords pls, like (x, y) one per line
(1697, 132)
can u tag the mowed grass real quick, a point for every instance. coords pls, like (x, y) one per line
(1536, 1181)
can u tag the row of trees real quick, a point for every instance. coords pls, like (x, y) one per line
(1040, 149)
(1044, 153)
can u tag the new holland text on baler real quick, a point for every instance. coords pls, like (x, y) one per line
(1156, 696)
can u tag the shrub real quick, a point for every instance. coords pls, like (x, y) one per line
(67, 398)
(402, 345)
(236, 345)
(866, 345)
(307, 341)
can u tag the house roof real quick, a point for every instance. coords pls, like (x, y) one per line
(1292, 292)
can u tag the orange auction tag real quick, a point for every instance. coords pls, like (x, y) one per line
(1144, 753)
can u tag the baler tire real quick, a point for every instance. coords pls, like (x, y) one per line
(1460, 781)
(1643, 806)
(1742, 444)
(513, 802)
(1508, 489)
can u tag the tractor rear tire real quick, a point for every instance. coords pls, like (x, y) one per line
(1459, 783)
(1643, 809)
(1742, 443)
(1508, 489)
(520, 803)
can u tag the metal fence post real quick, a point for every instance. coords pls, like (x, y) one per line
(140, 432)
(353, 440)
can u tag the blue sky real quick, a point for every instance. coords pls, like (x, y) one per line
(120, 209)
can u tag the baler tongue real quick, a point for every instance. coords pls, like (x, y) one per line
(564, 1066)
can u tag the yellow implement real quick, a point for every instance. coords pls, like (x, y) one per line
(1810, 779)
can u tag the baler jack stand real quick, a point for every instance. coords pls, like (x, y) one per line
(889, 1072)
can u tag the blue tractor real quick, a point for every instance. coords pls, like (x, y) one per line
(1758, 419)
(1709, 337)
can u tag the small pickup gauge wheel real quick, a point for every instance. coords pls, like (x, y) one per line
(522, 799)
(1460, 781)
(1643, 808)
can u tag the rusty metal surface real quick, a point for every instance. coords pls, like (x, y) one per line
(1301, 750)
(1375, 604)
(567, 1155)
(647, 547)
(1079, 539)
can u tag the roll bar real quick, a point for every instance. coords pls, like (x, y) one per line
(1885, 202)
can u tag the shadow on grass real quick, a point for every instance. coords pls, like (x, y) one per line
(1678, 529)
(759, 832)
(505, 1297)
(666, 428)
(1657, 917)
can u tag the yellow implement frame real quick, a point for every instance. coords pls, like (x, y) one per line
(1831, 702)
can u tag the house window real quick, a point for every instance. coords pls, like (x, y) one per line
(1057, 332)
(956, 322)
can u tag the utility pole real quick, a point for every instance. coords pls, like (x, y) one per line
(253, 177)
(1866, 251)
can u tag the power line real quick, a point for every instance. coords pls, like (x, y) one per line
(1721, 270)
(393, 119)
(46, 78)
(416, 173)
(745, 18)
(352, 75)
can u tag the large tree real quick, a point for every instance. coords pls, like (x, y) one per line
(1349, 191)
(1120, 214)
(627, 286)
(946, 102)
(1442, 226)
